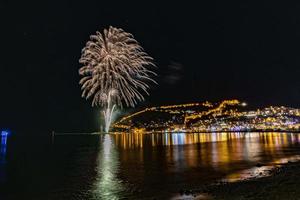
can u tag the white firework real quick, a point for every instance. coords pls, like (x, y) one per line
(115, 71)
(114, 61)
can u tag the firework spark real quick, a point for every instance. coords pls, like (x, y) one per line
(114, 61)
(115, 71)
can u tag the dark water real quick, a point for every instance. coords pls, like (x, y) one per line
(132, 166)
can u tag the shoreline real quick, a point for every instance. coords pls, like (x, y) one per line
(226, 131)
(283, 182)
(172, 132)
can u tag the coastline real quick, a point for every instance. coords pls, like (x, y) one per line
(171, 132)
(282, 183)
(227, 131)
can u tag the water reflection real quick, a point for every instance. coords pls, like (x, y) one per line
(4, 135)
(191, 159)
(259, 171)
(143, 166)
(215, 149)
(148, 166)
(3, 146)
(138, 140)
(107, 185)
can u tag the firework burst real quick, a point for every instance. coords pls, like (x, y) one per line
(114, 61)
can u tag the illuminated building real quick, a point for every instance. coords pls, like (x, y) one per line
(229, 115)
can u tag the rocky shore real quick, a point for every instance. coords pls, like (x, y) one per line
(283, 183)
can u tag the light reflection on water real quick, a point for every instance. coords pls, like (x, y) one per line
(219, 147)
(136, 166)
(107, 185)
(138, 140)
(3, 147)
(195, 158)
(261, 171)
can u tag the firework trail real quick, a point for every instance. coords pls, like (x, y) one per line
(115, 70)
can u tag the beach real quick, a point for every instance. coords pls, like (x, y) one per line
(282, 183)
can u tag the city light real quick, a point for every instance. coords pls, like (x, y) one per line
(244, 104)
(209, 117)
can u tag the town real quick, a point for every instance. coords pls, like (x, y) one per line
(228, 115)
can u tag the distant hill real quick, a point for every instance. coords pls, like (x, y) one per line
(228, 115)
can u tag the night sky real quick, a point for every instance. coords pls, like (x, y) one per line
(210, 51)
